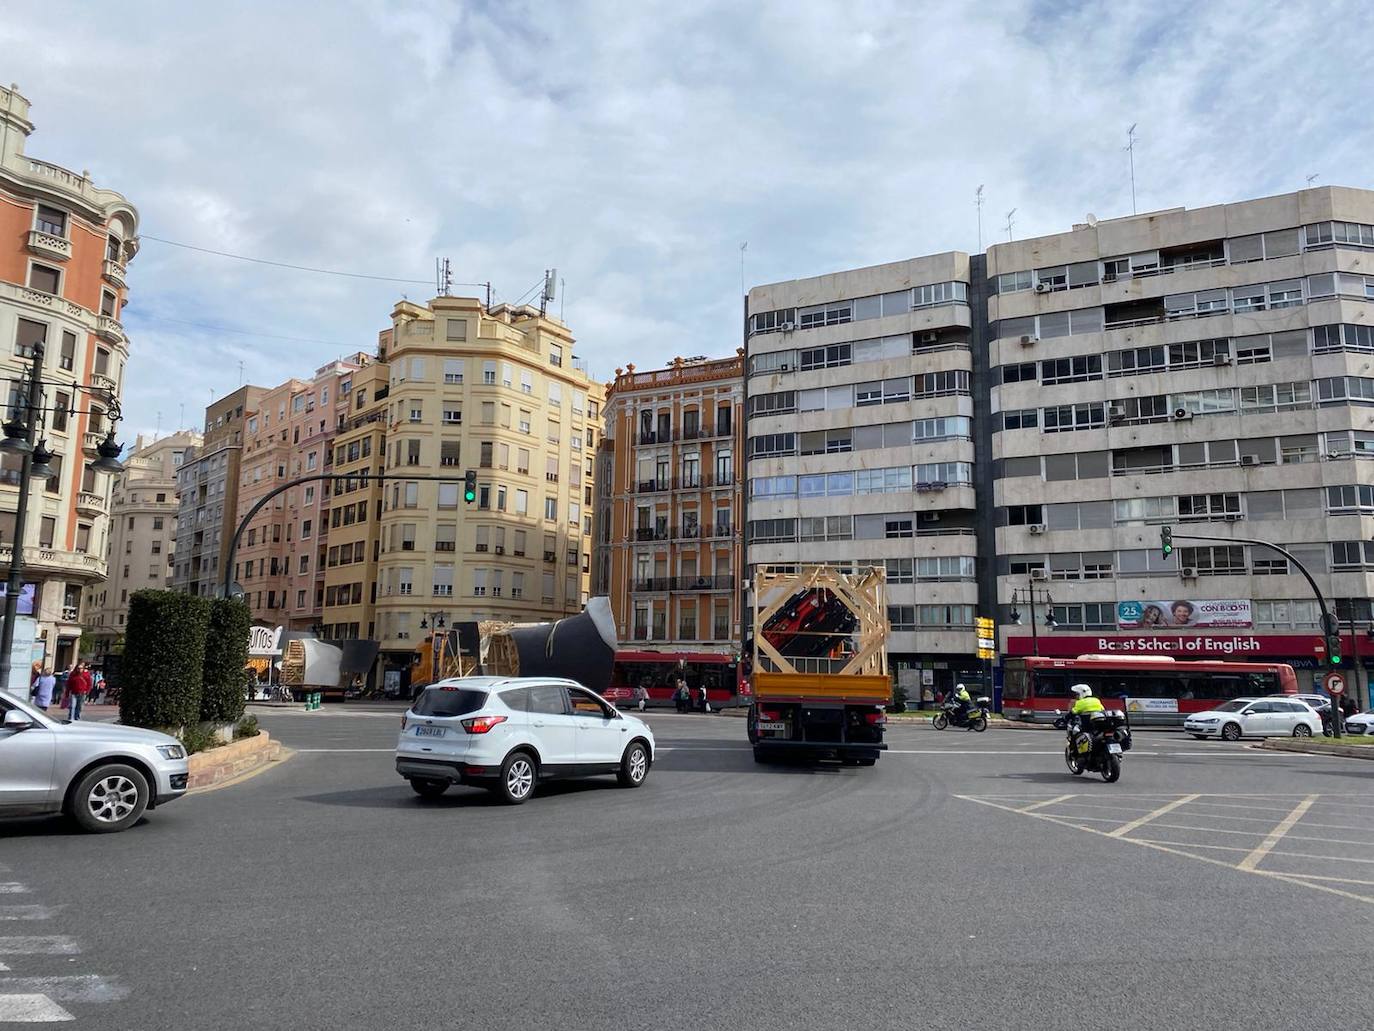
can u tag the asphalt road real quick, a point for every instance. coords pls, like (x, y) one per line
(965, 881)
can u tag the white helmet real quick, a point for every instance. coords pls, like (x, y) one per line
(1081, 691)
(960, 687)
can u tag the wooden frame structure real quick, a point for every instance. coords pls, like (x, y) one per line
(861, 593)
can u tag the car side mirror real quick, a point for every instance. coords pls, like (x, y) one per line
(17, 720)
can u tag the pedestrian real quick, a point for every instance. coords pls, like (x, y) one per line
(641, 696)
(1348, 707)
(43, 688)
(680, 695)
(64, 693)
(79, 686)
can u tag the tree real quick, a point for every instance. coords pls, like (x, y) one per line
(222, 698)
(164, 658)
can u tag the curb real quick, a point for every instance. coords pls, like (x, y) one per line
(230, 761)
(1341, 751)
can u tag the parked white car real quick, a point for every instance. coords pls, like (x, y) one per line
(1255, 717)
(104, 776)
(508, 733)
(1360, 723)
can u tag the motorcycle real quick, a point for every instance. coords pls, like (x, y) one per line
(976, 719)
(1096, 745)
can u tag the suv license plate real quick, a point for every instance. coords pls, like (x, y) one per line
(773, 728)
(1114, 749)
(430, 731)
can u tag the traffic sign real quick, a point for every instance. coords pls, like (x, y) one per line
(1334, 684)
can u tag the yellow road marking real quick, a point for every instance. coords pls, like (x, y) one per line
(1276, 835)
(1141, 821)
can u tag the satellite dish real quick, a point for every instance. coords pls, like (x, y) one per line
(1092, 219)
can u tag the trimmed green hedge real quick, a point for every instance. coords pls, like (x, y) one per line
(222, 698)
(164, 657)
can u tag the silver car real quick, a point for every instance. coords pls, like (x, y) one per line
(104, 776)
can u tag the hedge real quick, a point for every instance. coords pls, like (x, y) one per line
(222, 698)
(164, 657)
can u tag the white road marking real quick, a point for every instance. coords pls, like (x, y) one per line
(1048, 801)
(26, 912)
(1141, 821)
(3, 966)
(34, 1008)
(1276, 835)
(319, 750)
(12, 888)
(78, 988)
(38, 945)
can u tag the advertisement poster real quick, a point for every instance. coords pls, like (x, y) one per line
(1183, 612)
(1152, 705)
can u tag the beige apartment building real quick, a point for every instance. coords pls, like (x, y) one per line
(860, 409)
(668, 543)
(141, 546)
(1206, 369)
(498, 391)
(63, 268)
(208, 491)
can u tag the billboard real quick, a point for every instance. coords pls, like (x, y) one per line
(1183, 612)
(27, 592)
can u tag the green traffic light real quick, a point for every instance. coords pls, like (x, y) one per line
(469, 496)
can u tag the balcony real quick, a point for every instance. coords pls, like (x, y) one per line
(650, 486)
(90, 441)
(649, 533)
(648, 437)
(689, 532)
(550, 556)
(109, 329)
(66, 563)
(54, 248)
(653, 584)
(90, 504)
(103, 381)
(114, 272)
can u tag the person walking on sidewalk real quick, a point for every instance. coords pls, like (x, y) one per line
(43, 688)
(79, 684)
(641, 697)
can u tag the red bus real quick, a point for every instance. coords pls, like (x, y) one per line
(720, 674)
(1155, 691)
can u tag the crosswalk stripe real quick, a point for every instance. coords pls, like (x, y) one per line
(74, 988)
(31, 1008)
(12, 888)
(38, 945)
(26, 912)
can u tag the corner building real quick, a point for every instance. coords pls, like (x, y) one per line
(65, 245)
(500, 392)
(1206, 369)
(859, 432)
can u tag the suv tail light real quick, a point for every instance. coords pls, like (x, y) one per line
(482, 724)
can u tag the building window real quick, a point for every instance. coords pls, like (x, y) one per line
(555, 355)
(44, 279)
(52, 221)
(29, 334)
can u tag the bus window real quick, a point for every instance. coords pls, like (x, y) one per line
(1052, 684)
(1014, 683)
(1224, 685)
(1261, 684)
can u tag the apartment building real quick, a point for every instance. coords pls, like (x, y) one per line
(860, 408)
(498, 391)
(353, 542)
(140, 548)
(207, 495)
(1207, 369)
(290, 434)
(669, 544)
(63, 266)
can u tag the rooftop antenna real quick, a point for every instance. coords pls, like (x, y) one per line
(742, 248)
(978, 202)
(181, 416)
(562, 296)
(240, 372)
(1312, 178)
(1130, 151)
(443, 277)
(157, 426)
(550, 289)
(1011, 221)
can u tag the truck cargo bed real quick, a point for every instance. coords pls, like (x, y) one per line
(851, 688)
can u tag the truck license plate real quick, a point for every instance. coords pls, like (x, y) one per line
(773, 728)
(430, 731)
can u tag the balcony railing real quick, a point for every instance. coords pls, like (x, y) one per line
(114, 272)
(659, 584)
(49, 246)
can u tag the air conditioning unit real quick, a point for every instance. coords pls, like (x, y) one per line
(1188, 572)
(1042, 288)
(1029, 341)
(1249, 460)
(1221, 359)
(1116, 412)
(1040, 573)
(1182, 415)
(930, 338)
(787, 327)
(1037, 528)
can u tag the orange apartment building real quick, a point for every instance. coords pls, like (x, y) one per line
(280, 560)
(64, 247)
(668, 542)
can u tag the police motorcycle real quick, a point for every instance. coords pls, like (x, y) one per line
(1096, 741)
(975, 719)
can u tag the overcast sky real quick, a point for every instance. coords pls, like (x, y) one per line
(635, 146)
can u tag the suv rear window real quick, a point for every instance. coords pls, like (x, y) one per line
(449, 701)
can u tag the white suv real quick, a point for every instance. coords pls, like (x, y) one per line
(508, 733)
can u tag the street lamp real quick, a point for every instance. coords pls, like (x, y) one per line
(21, 438)
(1029, 592)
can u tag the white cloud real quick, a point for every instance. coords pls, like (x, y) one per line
(636, 146)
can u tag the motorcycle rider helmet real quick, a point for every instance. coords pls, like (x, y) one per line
(1081, 691)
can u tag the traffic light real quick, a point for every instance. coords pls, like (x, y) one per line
(1331, 629)
(470, 486)
(1166, 540)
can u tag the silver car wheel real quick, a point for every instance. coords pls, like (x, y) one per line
(639, 764)
(113, 798)
(519, 778)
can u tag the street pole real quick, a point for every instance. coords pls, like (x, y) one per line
(1035, 632)
(1361, 699)
(15, 584)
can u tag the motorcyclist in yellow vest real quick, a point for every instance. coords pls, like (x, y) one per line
(1085, 703)
(961, 697)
